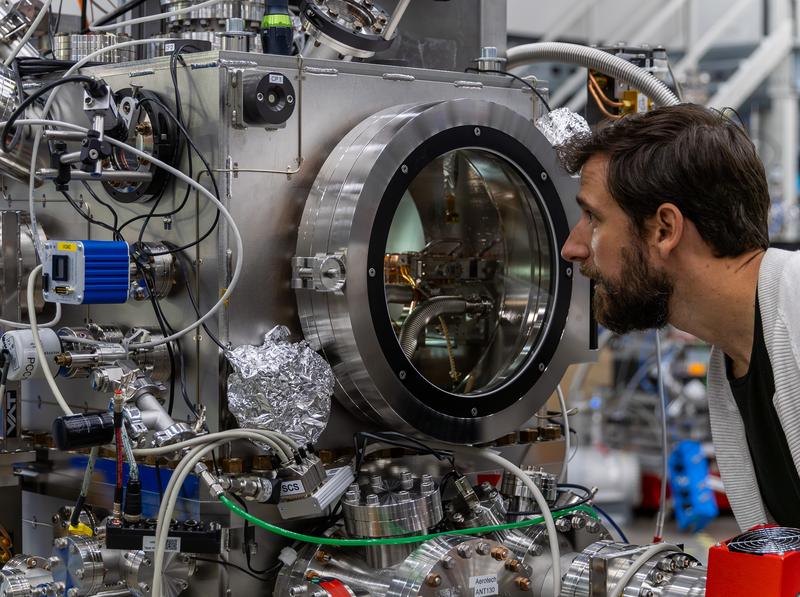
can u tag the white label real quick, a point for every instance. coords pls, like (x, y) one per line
(169, 48)
(484, 585)
(292, 488)
(643, 103)
(277, 79)
(173, 544)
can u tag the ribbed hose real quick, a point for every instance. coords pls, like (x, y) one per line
(596, 59)
(422, 315)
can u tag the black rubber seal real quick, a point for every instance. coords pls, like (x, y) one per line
(485, 404)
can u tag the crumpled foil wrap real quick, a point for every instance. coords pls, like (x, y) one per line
(280, 386)
(561, 124)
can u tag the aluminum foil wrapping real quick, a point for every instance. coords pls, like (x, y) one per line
(281, 386)
(561, 124)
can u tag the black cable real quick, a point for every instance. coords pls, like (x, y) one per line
(362, 438)
(117, 235)
(158, 481)
(84, 18)
(184, 268)
(516, 78)
(207, 166)
(247, 540)
(32, 98)
(272, 571)
(118, 12)
(86, 216)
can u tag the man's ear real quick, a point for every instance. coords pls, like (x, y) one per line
(666, 228)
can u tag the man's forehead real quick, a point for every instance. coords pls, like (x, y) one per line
(593, 190)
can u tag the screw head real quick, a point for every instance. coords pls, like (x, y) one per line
(541, 367)
(464, 550)
(260, 96)
(433, 580)
(477, 131)
(482, 549)
(290, 99)
(543, 175)
(568, 271)
(474, 412)
(448, 563)
(371, 272)
(404, 169)
(402, 375)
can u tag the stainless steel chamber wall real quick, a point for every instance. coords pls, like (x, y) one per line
(452, 193)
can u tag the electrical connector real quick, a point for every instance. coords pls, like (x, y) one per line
(214, 486)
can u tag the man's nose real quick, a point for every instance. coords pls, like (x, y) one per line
(576, 248)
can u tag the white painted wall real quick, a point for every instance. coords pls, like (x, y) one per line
(536, 17)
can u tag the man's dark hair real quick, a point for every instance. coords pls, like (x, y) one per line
(692, 157)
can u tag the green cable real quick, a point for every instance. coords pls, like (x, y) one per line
(393, 540)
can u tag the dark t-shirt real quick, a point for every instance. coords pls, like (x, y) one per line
(775, 470)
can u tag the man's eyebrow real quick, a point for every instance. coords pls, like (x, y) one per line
(582, 202)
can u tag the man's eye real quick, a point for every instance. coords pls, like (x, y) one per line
(589, 216)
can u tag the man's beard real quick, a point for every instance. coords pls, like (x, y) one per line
(638, 301)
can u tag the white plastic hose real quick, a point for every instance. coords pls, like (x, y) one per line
(24, 326)
(37, 342)
(596, 59)
(562, 478)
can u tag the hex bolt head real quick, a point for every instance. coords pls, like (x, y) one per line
(60, 543)
(406, 480)
(403, 496)
(513, 565)
(376, 481)
(523, 584)
(351, 497)
(500, 553)
(372, 500)
(593, 526)
(563, 524)
(433, 580)
(578, 522)
(322, 556)
(482, 548)
(659, 577)
(464, 550)
(458, 517)
(144, 587)
(667, 565)
(79, 573)
(30, 562)
(73, 592)
(448, 563)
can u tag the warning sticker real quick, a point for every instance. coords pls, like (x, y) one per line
(65, 246)
(484, 586)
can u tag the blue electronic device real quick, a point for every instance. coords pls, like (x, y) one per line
(84, 272)
(693, 500)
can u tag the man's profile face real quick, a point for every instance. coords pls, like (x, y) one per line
(630, 294)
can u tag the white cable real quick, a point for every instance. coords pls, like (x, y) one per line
(195, 441)
(637, 564)
(395, 19)
(37, 342)
(34, 25)
(237, 270)
(562, 478)
(24, 326)
(156, 17)
(662, 402)
(544, 508)
(171, 494)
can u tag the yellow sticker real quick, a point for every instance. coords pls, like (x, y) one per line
(65, 246)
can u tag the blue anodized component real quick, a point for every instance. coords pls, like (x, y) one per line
(694, 502)
(86, 272)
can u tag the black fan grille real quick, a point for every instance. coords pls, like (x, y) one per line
(768, 540)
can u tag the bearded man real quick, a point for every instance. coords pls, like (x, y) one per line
(674, 231)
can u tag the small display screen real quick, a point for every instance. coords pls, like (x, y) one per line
(60, 268)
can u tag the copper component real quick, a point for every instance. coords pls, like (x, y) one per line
(232, 466)
(506, 440)
(261, 463)
(528, 436)
(433, 580)
(326, 456)
(322, 556)
(512, 565)
(499, 553)
(549, 432)
(523, 584)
